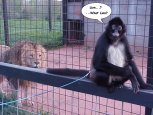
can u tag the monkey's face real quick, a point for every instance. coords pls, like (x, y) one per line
(115, 29)
(116, 32)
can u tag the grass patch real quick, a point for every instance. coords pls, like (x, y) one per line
(47, 39)
(34, 30)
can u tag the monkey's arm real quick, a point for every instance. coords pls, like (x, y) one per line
(111, 69)
(136, 72)
(101, 65)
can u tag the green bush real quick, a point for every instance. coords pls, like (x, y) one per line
(11, 109)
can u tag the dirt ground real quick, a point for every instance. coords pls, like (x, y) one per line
(57, 101)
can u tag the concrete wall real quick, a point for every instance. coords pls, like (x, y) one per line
(135, 14)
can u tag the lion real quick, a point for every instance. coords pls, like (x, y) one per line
(29, 54)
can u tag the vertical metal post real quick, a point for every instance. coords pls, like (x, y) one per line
(150, 55)
(65, 21)
(5, 18)
(132, 18)
(49, 15)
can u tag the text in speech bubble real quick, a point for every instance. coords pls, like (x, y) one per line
(96, 11)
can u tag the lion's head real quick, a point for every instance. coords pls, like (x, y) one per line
(28, 54)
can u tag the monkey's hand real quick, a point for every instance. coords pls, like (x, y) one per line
(129, 74)
(135, 83)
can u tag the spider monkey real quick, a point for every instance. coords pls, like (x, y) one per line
(112, 62)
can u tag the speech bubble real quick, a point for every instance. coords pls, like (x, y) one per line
(96, 11)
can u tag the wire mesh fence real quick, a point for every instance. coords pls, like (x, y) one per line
(69, 40)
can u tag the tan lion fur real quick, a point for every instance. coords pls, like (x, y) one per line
(3, 49)
(26, 53)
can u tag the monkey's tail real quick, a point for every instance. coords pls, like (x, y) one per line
(68, 72)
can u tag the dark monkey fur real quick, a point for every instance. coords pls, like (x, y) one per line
(112, 63)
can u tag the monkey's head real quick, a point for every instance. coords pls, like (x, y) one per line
(115, 29)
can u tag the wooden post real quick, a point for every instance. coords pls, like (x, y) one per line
(150, 56)
(5, 18)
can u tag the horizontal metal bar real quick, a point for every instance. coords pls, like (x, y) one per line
(144, 97)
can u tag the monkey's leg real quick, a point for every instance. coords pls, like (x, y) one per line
(112, 69)
(129, 75)
(109, 81)
(136, 72)
(100, 78)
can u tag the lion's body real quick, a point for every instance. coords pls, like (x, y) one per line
(28, 54)
(3, 49)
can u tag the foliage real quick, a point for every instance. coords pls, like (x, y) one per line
(12, 109)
